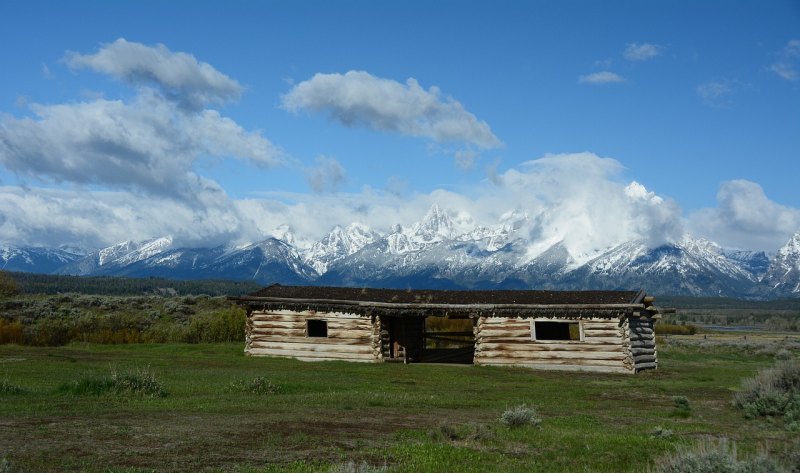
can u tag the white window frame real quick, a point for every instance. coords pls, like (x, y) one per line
(578, 321)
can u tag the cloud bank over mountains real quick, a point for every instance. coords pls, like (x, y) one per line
(103, 171)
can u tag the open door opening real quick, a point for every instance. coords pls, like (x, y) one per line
(448, 340)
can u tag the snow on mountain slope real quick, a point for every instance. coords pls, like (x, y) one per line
(783, 277)
(445, 249)
(34, 259)
(691, 267)
(338, 244)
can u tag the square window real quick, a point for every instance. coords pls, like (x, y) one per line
(317, 328)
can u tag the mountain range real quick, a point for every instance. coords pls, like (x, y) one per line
(445, 253)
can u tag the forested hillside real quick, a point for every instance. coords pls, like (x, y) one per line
(29, 283)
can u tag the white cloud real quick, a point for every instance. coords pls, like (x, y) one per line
(788, 64)
(576, 198)
(358, 98)
(745, 218)
(179, 76)
(641, 52)
(602, 77)
(51, 217)
(327, 175)
(146, 145)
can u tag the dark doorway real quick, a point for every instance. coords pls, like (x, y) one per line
(449, 341)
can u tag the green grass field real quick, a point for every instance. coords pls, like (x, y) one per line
(408, 418)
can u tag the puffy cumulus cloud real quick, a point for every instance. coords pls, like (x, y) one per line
(327, 175)
(358, 98)
(745, 218)
(146, 145)
(179, 76)
(641, 52)
(602, 77)
(787, 65)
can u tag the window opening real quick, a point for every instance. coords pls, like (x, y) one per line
(317, 328)
(570, 331)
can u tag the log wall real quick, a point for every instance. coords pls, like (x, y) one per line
(643, 343)
(508, 342)
(283, 333)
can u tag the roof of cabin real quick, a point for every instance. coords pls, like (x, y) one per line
(424, 302)
(425, 296)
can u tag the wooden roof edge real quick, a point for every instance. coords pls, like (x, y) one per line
(416, 305)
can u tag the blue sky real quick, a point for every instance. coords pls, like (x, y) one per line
(320, 113)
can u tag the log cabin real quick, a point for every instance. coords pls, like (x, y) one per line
(604, 331)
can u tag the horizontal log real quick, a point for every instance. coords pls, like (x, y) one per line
(314, 351)
(646, 366)
(643, 343)
(504, 333)
(331, 338)
(573, 368)
(499, 320)
(538, 346)
(642, 351)
(551, 355)
(554, 362)
(311, 354)
(290, 315)
(642, 329)
(609, 340)
(602, 334)
(280, 332)
(644, 359)
(319, 348)
(317, 340)
(273, 324)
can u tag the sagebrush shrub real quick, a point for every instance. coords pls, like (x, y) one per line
(7, 387)
(681, 402)
(142, 382)
(660, 432)
(713, 456)
(520, 415)
(257, 385)
(773, 392)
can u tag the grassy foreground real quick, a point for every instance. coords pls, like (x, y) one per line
(217, 414)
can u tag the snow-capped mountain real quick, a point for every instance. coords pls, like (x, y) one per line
(690, 267)
(783, 276)
(338, 244)
(35, 259)
(267, 261)
(444, 250)
(108, 260)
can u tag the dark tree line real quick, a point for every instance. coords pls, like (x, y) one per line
(28, 283)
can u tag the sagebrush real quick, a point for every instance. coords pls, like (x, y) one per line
(773, 392)
(520, 415)
(714, 456)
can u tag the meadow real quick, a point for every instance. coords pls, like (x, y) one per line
(207, 407)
